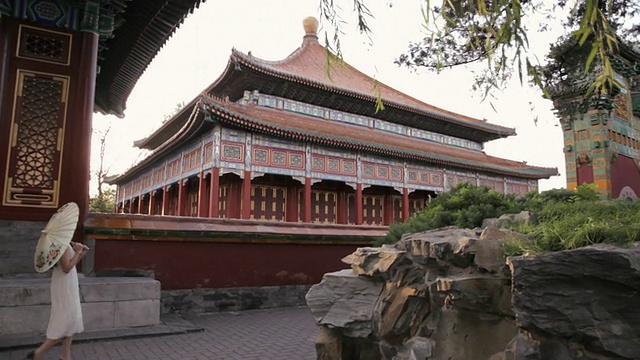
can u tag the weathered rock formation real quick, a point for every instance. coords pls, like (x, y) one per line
(441, 294)
(448, 294)
(578, 304)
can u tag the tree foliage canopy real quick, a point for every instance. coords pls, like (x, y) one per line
(460, 32)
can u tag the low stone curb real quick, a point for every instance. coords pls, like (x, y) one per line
(171, 325)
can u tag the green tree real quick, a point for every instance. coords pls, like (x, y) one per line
(104, 203)
(460, 32)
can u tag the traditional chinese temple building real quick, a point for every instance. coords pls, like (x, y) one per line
(297, 140)
(602, 132)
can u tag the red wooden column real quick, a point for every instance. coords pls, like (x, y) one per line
(152, 195)
(131, 201)
(388, 208)
(214, 193)
(233, 200)
(342, 207)
(165, 200)
(182, 196)
(359, 219)
(292, 203)
(405, 204)
(307, 200)
(202, 193)
(246, 195)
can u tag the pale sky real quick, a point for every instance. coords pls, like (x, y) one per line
(198, 53)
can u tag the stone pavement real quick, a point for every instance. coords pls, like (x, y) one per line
(270, 334)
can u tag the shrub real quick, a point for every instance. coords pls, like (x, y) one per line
(566, 219)
(464, 206)
(565, 226)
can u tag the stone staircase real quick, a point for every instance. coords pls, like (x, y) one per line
(108, 303)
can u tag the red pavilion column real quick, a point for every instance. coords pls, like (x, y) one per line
(202, 193)
(65, 81)
(388, 208)
(152, 195)
(140, 203)
(165, 200)
(359, 219)
(307, 200)
(182, 196)
(214, 193)
(405, 204)
(292, 204)
(342, 206)
(246, 195)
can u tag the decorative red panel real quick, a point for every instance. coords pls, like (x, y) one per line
(208, 152)
(36, 140)
(44, 45)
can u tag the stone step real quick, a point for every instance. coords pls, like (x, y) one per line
(107, 303)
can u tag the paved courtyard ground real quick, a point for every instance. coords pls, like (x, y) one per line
(272, 334)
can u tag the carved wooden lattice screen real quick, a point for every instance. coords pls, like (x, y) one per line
(323, 206)
(36, 140)
(372, 209)
(192, 206)
(397, 209)
(157, 202)
(268, 202)
(416, 205)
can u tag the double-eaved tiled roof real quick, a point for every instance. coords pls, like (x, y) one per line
(308, 66)
(312, 65)
(299, 127)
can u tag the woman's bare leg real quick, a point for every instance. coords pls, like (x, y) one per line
(44, 348)
(65, 354)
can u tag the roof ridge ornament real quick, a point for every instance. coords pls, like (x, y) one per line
(310, 25)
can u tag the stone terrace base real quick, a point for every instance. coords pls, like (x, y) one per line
(107, 303)
(199, 301)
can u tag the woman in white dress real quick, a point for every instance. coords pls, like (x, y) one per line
(66, 313)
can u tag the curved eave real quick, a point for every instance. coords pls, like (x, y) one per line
(496, 130)
(168, 128)
(148, 25)
(190, 130)
(238, 120)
